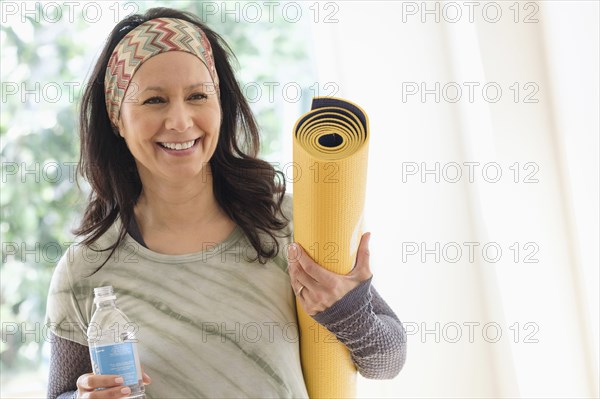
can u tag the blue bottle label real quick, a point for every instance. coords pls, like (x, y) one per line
(115, 359)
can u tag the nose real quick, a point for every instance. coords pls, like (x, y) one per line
(178, 117)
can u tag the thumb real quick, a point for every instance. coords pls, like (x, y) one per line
(145, 377)
(362, 267)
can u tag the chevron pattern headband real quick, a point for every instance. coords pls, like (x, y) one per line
(145, 41)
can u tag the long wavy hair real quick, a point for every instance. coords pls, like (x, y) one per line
(244, 186)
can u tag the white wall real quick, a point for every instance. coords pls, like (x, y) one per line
(373, 52)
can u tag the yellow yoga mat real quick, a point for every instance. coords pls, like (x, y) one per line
(330, 150)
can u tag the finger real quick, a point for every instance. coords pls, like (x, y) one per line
(313, 270)
(110, 393)
(292, 253)
(146, 378)
(92, 381)
(300, 278)
(293, 269)
(292, 256)
(297, 277)
(362, 266)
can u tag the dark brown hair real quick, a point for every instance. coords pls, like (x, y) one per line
(243, 185)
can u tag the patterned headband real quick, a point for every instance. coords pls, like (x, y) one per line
(145, 41)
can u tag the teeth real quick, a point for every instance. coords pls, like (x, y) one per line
(179, 146)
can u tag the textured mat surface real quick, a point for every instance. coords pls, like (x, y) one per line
(330, 151)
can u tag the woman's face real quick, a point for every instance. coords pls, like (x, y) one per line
(170, 117)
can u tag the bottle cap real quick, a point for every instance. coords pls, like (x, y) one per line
(102, 294)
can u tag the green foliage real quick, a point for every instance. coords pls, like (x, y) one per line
(40, 202)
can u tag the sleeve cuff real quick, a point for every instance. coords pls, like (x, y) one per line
(347, 306)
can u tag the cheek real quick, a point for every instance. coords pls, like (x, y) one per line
(133, 125)
(209, 122)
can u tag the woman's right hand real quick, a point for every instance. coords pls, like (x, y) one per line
(112, 384)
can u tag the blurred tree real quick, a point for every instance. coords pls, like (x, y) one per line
(43, 65)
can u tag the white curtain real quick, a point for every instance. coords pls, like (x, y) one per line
(483, 209)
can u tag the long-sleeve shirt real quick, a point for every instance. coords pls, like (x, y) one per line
(194, 314)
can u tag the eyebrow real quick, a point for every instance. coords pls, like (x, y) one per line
(158, 88)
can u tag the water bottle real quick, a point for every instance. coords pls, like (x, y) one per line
(113, 344)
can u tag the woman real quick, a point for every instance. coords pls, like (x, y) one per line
(188, 226)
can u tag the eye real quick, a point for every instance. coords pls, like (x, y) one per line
(198, 96)
(153, 100)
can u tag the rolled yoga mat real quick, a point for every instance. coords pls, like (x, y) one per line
(330, 152)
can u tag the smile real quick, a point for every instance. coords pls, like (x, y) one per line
(180, 146)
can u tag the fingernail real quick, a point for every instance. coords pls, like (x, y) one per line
(119, 380)
(293, 250)
(125, 390)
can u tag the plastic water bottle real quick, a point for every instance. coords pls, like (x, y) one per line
(113, 344)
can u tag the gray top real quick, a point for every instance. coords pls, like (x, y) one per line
(213, 324)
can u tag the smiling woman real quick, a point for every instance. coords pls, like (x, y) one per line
(145, 71)
(172, 129)
(169, 146)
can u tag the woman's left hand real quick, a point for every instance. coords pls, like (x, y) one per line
(318, 288)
